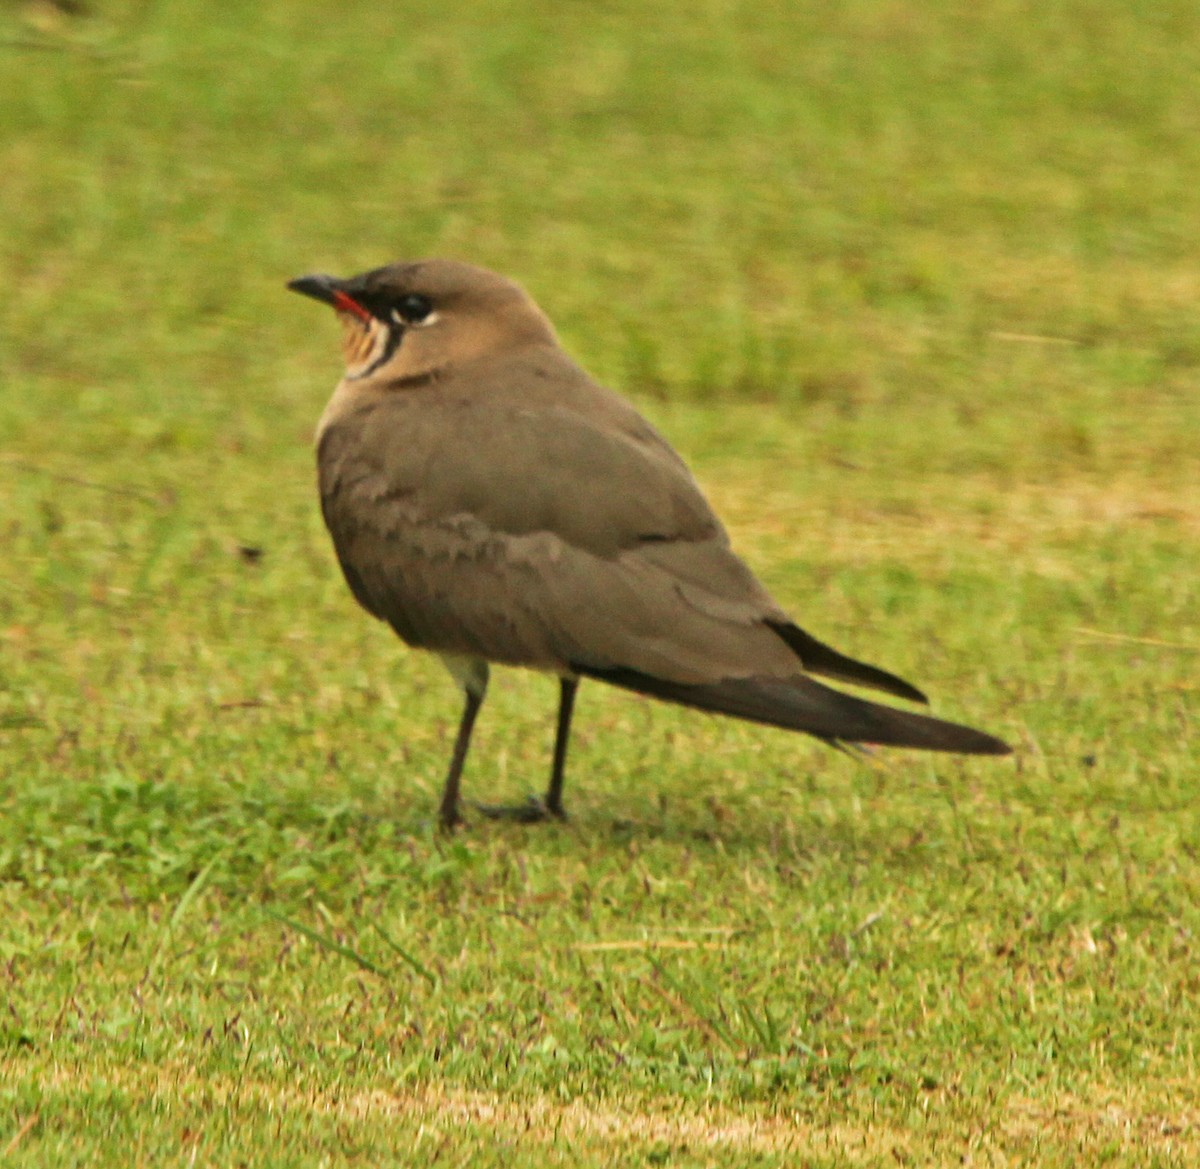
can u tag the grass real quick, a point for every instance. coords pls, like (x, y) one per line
(912, 287)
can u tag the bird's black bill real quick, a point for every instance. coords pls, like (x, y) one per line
(322, 288)
(329, 290)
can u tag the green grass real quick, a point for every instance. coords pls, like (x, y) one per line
(912, 286)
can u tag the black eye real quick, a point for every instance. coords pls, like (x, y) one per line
(414, 308)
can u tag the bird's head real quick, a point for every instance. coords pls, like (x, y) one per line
(407, 323)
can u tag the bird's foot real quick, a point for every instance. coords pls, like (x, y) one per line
(532, 811)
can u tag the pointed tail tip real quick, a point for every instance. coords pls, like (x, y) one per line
(932, 734)
(997, 747)
(981, 743)
(899, 728)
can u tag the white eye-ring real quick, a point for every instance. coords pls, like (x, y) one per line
(429, 319)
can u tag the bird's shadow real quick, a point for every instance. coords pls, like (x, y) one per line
(787, 828)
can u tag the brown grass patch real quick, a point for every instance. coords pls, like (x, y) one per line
(447, 1116)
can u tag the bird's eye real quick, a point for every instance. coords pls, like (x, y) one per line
(413, 308)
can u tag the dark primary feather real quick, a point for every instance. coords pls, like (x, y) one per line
(819, 658)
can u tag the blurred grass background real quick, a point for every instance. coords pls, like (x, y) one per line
(913, 286)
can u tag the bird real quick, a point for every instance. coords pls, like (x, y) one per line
(494, 504)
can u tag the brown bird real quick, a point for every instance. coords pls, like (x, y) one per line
(492, 503)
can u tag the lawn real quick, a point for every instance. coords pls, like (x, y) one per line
(914, 288)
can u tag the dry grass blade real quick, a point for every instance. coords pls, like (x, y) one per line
(634, 944)
(25, 1129)
(1157, 642)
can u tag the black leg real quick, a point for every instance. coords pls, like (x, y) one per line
(566, 704)
(449, 811)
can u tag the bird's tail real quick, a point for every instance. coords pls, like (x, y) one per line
(800, 704)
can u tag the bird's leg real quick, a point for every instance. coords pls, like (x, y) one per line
(472, 676)
(535, 810)
(566, 704)
(448, 814)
